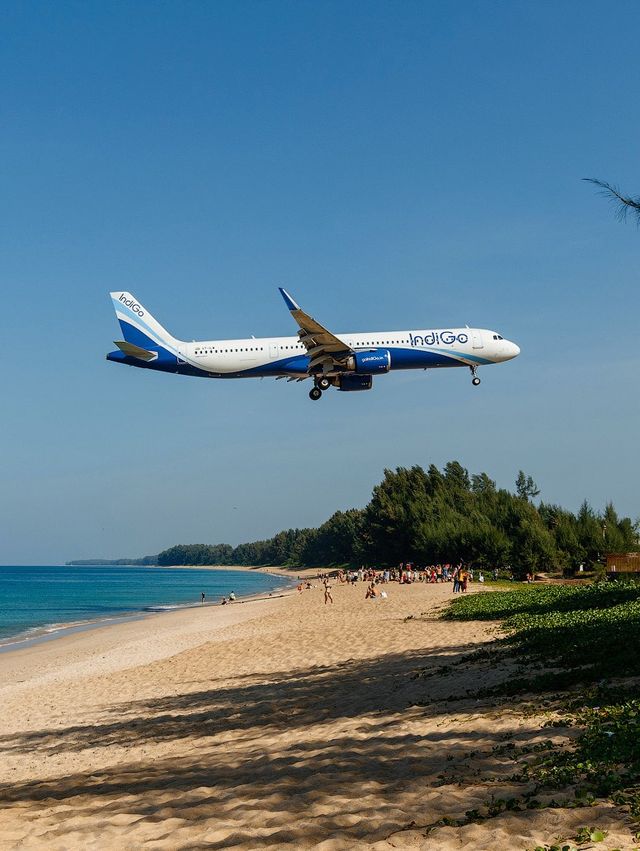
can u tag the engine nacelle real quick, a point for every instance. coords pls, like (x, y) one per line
(371, 363)
(349, 381)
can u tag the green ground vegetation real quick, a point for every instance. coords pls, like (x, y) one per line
(590, 630)
(585, 641)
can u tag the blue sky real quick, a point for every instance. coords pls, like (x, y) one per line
(393, 165)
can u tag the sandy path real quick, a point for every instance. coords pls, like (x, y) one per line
(279, 724)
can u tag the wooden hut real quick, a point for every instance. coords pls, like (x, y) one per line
(623, 563)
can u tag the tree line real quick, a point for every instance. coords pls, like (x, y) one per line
(437, 516)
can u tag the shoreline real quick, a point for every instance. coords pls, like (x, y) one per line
(128, 643)
(290, 573)
(46, 633)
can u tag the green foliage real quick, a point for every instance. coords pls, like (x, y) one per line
(605, 761)
(336, 542)
(145, 560)
(556, 847)
(526, 488)
(588, 633)
(592, 629)
(436, 516)
(604, 638)
(590, 834)
(540, 599)
(447, 517)
(196, 554)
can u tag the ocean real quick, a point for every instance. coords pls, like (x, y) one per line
(37, 602)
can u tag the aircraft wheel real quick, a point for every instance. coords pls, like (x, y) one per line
(323, 383)
(315, 393)
(475, 381)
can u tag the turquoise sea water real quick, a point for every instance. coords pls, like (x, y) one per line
(42, 600)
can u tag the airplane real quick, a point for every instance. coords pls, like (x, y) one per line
(347, 362)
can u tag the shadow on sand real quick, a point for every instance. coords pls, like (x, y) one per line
(290, 758)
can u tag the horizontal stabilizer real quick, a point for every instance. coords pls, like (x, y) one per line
(135, 351)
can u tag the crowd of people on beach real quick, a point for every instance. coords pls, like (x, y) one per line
(407, 573)
(460, 576)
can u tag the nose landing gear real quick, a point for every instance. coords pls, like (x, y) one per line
(474, 372)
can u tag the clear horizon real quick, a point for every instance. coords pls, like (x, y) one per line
(392, 166)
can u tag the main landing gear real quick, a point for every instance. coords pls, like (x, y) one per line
(474, 371)
(320, 384)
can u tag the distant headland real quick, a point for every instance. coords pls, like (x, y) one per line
(101, 562)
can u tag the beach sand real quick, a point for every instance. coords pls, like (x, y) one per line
(278, 723)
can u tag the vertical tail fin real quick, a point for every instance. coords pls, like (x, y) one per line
(138, 325)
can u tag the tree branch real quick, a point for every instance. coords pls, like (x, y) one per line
(623, 203)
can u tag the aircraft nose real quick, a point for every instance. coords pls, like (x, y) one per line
(512, 350)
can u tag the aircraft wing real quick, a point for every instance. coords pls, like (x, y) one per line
(324, 348)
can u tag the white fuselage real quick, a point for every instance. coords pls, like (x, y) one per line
(408, 349)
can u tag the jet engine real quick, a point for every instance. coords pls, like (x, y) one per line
(371, 363)
(355, 382)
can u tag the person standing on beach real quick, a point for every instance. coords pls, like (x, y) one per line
(202, 598)
(327, 592)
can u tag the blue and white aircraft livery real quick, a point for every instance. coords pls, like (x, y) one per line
(344, 361)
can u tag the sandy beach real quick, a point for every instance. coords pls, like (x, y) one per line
(277, 723)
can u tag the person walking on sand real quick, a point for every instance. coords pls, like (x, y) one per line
(456, 580)
(327, 591)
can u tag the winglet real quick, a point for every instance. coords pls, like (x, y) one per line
(288, 300)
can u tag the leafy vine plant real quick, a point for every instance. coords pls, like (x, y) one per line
(583, 836)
